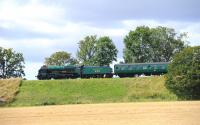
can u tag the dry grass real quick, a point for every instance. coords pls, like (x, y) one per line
(8, 89)
(143, 113)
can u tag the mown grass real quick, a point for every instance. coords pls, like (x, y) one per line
(8, 90)
(82, 91)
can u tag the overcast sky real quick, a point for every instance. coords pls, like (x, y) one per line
(37, 28)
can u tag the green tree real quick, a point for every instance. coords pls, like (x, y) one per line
(183, 76)
(60, 58)
(106, 51)
(93, 51)
(86, 51)
(11, 63)
(166, 43)
(152, 44)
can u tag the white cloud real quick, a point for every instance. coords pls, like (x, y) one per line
(32, 16)
(36, 17)
(12, 11)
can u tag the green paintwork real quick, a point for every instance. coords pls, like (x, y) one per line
(61, 67)
(139, 68)
(56, 67)
(96, 70)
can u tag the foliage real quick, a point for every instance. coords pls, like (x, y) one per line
(11, 63)
(81, 91)
(60, 58)
(86, 50)
(93, 51)
(152, 44)
(106, 51)
(183, 76)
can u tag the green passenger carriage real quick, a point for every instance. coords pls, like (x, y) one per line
(130, 70)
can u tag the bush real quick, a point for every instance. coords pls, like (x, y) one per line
(183, 76)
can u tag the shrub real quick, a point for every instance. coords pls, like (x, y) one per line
(183, 76)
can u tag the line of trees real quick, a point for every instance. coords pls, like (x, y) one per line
(92, 51)
(142, 45)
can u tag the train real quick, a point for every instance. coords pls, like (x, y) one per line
(120, 70)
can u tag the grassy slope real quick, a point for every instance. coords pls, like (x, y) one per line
(77, 91)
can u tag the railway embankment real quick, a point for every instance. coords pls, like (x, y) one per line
(89, 91)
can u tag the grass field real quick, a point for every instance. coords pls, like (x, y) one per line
(82, 91)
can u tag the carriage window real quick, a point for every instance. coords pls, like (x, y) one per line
(138, 68)
(42, 71)
(124, 68)
(144, 67)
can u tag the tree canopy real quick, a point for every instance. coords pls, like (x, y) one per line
(86, 50)
(60, 58)
(106, 51)
(93, 51)
(152, 44)
(11, 63)
(183, 76)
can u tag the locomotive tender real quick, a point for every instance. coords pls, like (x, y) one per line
(121, 70)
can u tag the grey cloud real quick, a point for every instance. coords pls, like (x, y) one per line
(110, 11)
(20, 33)
(38, 54)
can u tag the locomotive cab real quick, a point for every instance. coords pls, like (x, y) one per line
(42, 73)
